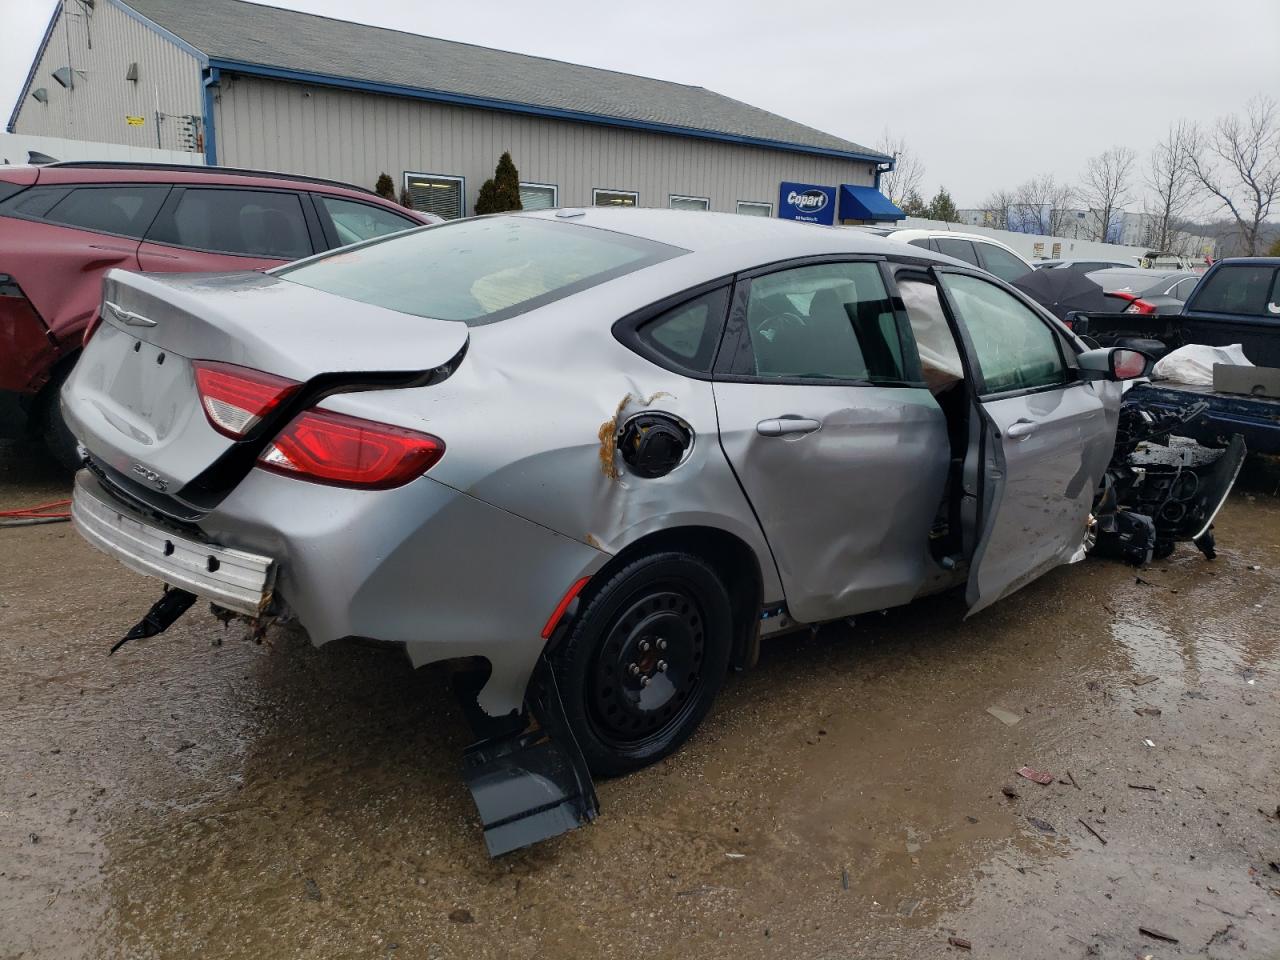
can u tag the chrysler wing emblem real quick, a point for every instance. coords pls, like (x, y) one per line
(128, 316)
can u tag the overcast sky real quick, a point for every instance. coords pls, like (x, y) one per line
(986, 93)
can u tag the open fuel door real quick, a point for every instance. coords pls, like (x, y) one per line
(1039, 442)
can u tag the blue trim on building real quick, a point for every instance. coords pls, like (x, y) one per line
(156, 28)
(508, 106)
(35, 65)
(212, 76)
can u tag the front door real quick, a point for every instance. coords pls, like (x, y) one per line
(837, 443)
(1047, 436)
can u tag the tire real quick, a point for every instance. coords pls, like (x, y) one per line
(626, 717)
(58, 440)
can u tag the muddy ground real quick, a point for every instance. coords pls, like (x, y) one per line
(198, 795)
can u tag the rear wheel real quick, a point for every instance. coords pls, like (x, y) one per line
(58, 440)
(644, 661)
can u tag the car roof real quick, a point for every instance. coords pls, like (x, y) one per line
(908, 234)
(753, 240)
(110, 172)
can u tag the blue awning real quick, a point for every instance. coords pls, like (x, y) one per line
(867, 203)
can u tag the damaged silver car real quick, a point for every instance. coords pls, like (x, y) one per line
(602, 453)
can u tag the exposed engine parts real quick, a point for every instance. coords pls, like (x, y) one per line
(1160, 488)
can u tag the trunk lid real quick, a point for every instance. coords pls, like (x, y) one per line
(132, 399)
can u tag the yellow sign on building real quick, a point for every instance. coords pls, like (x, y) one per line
(135, 121)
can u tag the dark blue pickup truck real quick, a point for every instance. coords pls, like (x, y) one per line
(1236, 301)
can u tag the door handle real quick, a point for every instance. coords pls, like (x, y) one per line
(1021, 429)
(786, 426)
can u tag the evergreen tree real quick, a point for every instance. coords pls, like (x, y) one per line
(501, 192)
(385, 187)
(914, 205)
(406, 198)
(941, 207)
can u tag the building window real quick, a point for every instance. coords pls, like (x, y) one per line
(614, 198)
(539, 196)
(441, 195)
(690, 203)
(755, 208)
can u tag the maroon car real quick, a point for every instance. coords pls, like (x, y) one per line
(63, 225)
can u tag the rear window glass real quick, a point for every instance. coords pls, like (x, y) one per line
(1248, 290)
(479, 271)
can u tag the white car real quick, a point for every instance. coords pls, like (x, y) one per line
(984, 252)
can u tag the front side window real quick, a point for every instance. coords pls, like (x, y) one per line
(831, 321)
(614, 198)
(252, 223)
(1242, 289)
(354, 221)
(690, 203)
(538, 196)
(1014, 348)
(755, 208)
(441, 195)
(125, 209)
(1184, 288)
(1001, 262)
(479, 271)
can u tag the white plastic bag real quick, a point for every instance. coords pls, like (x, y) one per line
(1194, 363)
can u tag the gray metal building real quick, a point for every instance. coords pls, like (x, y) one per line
(255, 86)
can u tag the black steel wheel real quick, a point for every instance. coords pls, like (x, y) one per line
(644, 660)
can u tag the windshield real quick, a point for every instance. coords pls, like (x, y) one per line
(479, 271)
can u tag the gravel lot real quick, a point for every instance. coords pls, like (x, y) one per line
(199, 795)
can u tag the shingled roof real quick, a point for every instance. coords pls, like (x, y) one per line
(288, 42)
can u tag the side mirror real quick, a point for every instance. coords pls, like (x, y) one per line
(1114, 363)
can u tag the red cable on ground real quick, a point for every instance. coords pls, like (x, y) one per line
(43, 511)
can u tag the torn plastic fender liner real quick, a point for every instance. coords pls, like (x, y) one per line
(533, 784)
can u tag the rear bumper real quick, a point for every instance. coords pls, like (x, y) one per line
(234, 579)
(423, 565)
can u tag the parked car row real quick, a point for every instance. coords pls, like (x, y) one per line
(64, 225)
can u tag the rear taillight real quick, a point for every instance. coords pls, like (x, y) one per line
(235, 399)
(1140, 306)
(333, 448)
(1134, 304)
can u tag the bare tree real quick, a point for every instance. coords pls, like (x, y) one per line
(1238, 164)
(907, 173)
(995, 209)
(1171, 185)
(1105, 188)
(1041, 205)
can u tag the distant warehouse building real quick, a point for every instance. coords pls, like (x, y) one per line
(255, 86)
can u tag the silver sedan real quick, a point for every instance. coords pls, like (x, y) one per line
(623, 443)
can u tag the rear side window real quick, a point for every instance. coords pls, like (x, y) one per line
(251, 223)
(686, 336)
(126, 209)
(354, 221)
(960, 249)
(479, 271)
(831, 321)
(32, 203)
(1001, 262)
(1244, 289)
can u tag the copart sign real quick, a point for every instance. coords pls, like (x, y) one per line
(808, 202)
